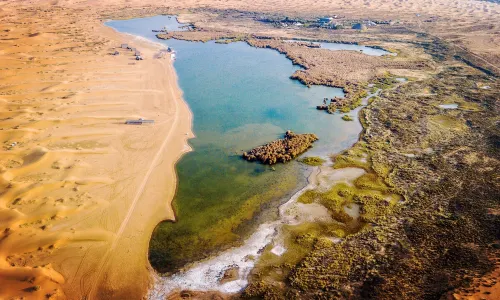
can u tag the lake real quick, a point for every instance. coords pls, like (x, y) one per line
(241, 97)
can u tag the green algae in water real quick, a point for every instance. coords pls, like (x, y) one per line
(347, 118)
(241, 97)
(218, 226)
(313, 161)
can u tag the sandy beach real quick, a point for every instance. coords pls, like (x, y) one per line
(82, 191)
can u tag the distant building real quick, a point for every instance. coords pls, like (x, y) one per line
(325, 20)
(124, 46)
(359, 26)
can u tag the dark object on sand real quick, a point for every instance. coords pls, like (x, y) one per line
(282, 150)
(139, 122)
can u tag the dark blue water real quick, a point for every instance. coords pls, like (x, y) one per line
(241, 97)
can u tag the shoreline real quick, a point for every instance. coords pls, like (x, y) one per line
(154, 291)
(189, 135)
(71, 174)
(116, 181)
(167, 286)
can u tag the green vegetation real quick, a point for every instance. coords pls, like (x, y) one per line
(356, 157)
(357, 99)
(229, 40)
(308, 197)
(313, 161)
(220, 226)
(344, 109)
(427, 202)
(428, 213)
(347, 118)
(385, 82)
(306, 243)
(371, 181)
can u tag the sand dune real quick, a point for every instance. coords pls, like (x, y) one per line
(71, 173)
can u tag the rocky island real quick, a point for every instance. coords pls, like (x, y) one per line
(282, 150)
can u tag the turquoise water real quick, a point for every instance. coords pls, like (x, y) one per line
(350, 47)
(366, 50)
(241, 97)
(449, 106)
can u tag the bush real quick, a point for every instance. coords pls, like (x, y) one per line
(313, 161)
(347, 118)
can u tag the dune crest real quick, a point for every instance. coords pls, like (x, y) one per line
(80, 191)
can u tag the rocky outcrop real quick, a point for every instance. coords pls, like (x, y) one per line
(282, 150)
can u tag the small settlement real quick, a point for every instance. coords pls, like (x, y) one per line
(329, 22)
(137, 53)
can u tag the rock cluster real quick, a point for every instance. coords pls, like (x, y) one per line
(282, 150)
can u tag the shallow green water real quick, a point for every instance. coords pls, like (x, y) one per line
(241, 97)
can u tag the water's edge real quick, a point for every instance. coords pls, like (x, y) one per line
(204, 275)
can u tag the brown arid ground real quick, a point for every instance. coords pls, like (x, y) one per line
(80, 192)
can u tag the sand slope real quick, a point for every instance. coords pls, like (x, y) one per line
(80, 191)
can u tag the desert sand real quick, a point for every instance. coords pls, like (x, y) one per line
(80, 192)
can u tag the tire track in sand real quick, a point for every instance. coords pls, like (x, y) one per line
(106, 256)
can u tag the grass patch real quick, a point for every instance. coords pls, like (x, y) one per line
(371, 181)
(447, 122)
(469, 106)
(373, 207)
(345, 109)
(346, 161)
(313, 161)
(357, 157)
(347, 118)
(308, 197)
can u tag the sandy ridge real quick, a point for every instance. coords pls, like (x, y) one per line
(72, 177)
(154, 163)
